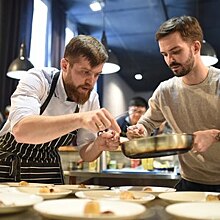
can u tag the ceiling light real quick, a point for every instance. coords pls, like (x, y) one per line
(19, 67)
(111, 66)
(96, 5)
(208, 54)
(138, 76)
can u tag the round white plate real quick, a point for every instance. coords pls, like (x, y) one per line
(140, 197)
(3, 186)
(195, 210)
(16, 202)
(17, 184)
(76, 188)
(185, 196)
(58, 192)
(74, 209)
(155, 190)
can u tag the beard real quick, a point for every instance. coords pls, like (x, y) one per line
(185, 68)
(74, 94)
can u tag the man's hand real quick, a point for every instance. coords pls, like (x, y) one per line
(136, 131)
(99, 120)
(108, 140)
(204, 139)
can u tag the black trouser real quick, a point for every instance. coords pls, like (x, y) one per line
(185, 185)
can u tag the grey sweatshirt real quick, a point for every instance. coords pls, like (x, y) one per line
(188, 109)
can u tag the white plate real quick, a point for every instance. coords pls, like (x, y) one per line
(3, 186)
(185, 196)
(76, 188)
(16, 202)
(16, 184)
(58, 192)
(74, 209)
(195, 210)
(140, 197)
(155, 190)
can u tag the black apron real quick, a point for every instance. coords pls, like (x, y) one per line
(33, 162)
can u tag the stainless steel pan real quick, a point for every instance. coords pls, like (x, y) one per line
(157, 146)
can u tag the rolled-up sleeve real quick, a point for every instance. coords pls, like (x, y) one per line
(27, 98)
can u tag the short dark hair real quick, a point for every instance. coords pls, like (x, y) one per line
(188, 27)
(138, 101)
(88, 47)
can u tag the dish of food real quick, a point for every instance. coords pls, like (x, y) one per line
(188, 196)
(16, 202)
(212, 198)
(129, 196)
(47, 192)
(195, 210)
(155, 190)
(82, 187)
(83, 209)
(26, 184)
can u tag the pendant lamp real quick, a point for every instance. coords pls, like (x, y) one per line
(19, 67)
(208, 54)
(112, 64)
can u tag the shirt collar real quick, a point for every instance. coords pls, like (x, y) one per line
(60, 92)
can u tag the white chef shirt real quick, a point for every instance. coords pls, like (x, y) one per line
(31, 93)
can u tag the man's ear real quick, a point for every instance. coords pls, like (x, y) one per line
(63, 64)
(197, 47)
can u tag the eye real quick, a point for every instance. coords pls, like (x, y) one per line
(86, 72)
(164, 54)
(176, 52)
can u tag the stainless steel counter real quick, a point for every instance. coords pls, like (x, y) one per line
(120, 178)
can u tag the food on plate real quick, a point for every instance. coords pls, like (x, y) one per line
(107, 213)
(126, 195)
(46, 189)
(211, 197)
(82, 186)
(93, 208)
(148, 189)
(23, 183)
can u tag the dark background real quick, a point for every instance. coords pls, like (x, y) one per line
(130, 29)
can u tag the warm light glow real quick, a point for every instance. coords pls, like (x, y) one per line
(138, 76)
(18, 74)
(109, 68)
(208, 54)
(208, 60)
(96, 6)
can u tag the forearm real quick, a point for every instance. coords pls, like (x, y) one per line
(90, 151)
(106, 141)
(41, 129)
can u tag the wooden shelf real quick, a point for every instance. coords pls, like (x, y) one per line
(74, 149)
(68, 148)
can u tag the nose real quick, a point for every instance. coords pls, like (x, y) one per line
(169, 59)
(90, 79)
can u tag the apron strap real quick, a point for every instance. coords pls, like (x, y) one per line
(52, 88)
